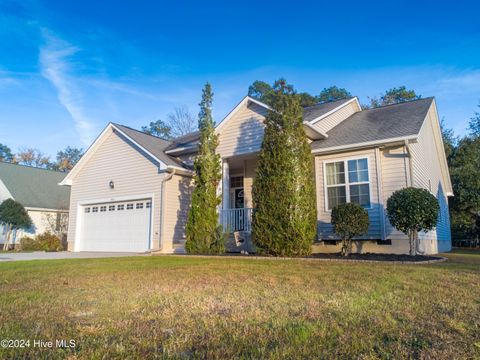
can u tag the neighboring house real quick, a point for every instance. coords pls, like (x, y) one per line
(39, 192)
(131, 191)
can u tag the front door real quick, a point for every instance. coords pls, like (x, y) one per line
(239, 202)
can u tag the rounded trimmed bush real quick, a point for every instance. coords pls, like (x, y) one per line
(349, 220)
(411, 210)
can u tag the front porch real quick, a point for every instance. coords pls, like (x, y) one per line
(237, 205)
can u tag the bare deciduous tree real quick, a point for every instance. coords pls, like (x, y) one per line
(181, 121)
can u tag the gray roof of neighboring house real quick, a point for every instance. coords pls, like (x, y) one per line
(383, 123)
(312, 112)
(153, 144)
(34, 187)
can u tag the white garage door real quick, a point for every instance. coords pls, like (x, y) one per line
(119, 226)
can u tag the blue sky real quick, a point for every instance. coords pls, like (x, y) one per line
(67, 68)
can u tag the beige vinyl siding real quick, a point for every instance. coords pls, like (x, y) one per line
(391, 166)
(243, 133)
(324, 226)
(427, 173)
(395, 176)
(178, 193)
(332, 120)
(132, 173)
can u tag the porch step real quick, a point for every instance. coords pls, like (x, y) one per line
(240, 241)
(179, 247)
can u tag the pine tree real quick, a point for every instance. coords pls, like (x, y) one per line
(284, 222)
(203, 232)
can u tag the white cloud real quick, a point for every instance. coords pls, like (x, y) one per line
(55, 67)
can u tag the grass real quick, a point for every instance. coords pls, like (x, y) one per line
(186, 307)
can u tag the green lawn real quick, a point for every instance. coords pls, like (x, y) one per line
(184, 307)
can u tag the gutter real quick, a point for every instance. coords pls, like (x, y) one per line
(180, 170)
(29, 208)
(368, 144)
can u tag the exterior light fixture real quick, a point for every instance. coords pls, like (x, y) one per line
(111, 184)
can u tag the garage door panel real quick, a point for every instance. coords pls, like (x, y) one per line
(120, 226)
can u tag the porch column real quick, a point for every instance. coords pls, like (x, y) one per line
(225, 185)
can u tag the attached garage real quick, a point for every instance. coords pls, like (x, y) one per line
(127, 195)
(116, 226)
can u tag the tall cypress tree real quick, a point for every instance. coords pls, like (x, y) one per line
(284, 223)
(203, 232)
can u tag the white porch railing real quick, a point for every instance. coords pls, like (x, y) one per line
(236, 219)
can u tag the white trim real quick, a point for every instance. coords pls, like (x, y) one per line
(259, 103)
(162, 166)
(237, 108)
(68, 179)
(439, 142)
(4, 192)
(100, 138)
(28, 208)
(116, 199)
(347, 182)
(83, 203)
(318, 135)
(225, 120)
(365, 144)
(354, 99)
(181, 149)
(225, 183)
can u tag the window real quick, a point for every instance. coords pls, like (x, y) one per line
(139, 206)
(87, 210)
(121, 207)
(129, 206)
(111, 208)
(236, 182)
(95, 209)
(148, 204)
(347, 181)
(103, 208)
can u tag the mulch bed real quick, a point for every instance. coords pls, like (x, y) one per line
(378, 257)
(368, 257)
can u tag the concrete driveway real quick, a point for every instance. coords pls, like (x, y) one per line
(41, 255)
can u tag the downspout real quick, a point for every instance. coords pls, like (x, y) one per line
(378, 165)
(410, 166)
(410, 170)
(162, 207)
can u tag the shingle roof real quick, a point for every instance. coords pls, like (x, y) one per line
(187, 140)
(36, 188)
(312, 112)
(152, 144)
(309, 113)
(383, 123)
